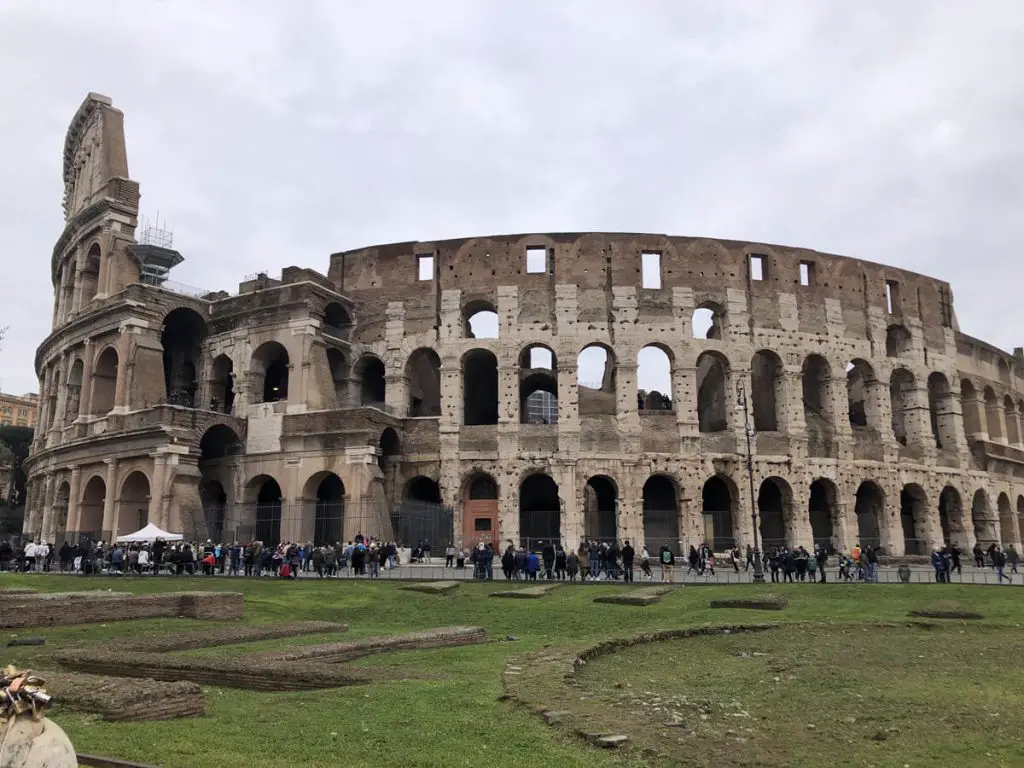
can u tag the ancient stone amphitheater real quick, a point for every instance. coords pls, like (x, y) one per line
(511, 387)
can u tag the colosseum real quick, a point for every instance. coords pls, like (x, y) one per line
(494, 388)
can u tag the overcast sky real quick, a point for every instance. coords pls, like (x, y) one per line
(270, 133)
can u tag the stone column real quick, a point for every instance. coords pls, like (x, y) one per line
(122, 389)
(571, 522)
(839, 408)
(74, 511)
(46, 517)
(156, 493)
(109, 530)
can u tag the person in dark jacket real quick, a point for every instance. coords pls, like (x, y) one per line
(559, 563)
(508, 562)
(548, 555)
(628, 555)
(572, 565)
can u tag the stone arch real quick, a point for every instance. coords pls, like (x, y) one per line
(823, 512)
(423, 371)
(661, 515)
(390, 448)
(713, 392)
(184, 331)
(654, 378)
(89, 276)
(775, 506)
(73, 393)
(132, 503)
(914, 520)
(601, 509)
(951, 517)
(538, 385)
(480, 320)
(326, 491)
(270, 368)
(265, 493)
(423, 489)
(815, 380)
(1012, 425)
(870, 513)
(969, 406)
(981, 518)
(767, 390)
(370, 374)
(940, 411)
(217, 446)
(104, 382)
(720, 504)
(337, 321)
(898, 341)
(90, 509)
(708, 321)
(480, 508)
(861, 384)
(1003, 372)
(596, 376)
(222, 390)
(540, 515)
(993, 415)
(479, 387)
(1007, 530)
(901, 394)
(214, 500)
(481, 486)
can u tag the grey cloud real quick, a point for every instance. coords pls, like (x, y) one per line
(268, 134)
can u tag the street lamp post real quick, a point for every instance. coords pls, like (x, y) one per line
(748, 429)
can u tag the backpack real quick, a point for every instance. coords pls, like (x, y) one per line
(666, 557)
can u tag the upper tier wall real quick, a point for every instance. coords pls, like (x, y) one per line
(600, 264)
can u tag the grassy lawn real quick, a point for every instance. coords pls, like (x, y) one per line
(944, 693)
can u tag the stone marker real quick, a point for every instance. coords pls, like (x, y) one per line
(432, 587)
(645, 596)
(527, 593)
(759, 603)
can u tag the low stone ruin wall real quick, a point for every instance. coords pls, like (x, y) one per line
(119, 699)
(42, 610)
(336, 653)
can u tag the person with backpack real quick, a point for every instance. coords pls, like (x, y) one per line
(668, 560)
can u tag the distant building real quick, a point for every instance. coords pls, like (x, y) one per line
(18, 411)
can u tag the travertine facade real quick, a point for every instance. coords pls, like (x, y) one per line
(266, 411)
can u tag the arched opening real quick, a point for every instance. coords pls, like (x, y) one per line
(270, 369)
(601, 509)
(969, 406)
(821, 509)
(422, 515)
(815, 378)
(901, 394)
(981, 518)
(338, 366)
(217, 447)
(1012, 426)
(329, 515)
(860, 383)
(870, 511)
(540, 511)
(596, 379)
(480, 509)
(268, 510)
(390, 449)
(133, 504)
(89, 277)
(1003, 371)
(423, 372)
(372, 387)
(914, 520)
(1007, 534)
(708, 321)
(182, 340)
(712, 392)
(767, 390)
(337, 321)
(423, 489)
(482, 487)
(993, 415)
(774, 504)
(719, 499)
(73, 395)
(480, 320)
(214, 499)
(538, 386)
(654, 379)
(940, 411)
(897, 341)
(951, 517)
(661, 515)
(479, 387)
(104, 382)
(90, 510)
(222, 393)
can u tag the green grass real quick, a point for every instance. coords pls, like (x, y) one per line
(449, 713)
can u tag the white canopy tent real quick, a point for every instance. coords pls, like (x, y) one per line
(150, 533)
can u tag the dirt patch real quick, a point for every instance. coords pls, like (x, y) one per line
(336, 653)
(759, 603)
(645, 596)
(939, 614)
(432, 587)
(120, 699)
(529, 593)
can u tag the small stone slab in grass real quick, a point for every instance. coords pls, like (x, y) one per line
(945, 615)
(759, 603)
(432, 587)
(526, 594)
(646, 596)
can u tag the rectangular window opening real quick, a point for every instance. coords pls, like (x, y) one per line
(536, 260)
(425, 266)
(892, 297)
(756, 267)
(650, 267)
(482, 524)
(806, 270)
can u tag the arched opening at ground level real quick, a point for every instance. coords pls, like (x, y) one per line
(133, 504)
(480, 510)
(951, 517)
(90, 509)
(914, 520)
(775, 507)
(822, 507)
(719, 499)
(600, 509)
(266, 493)
(870, 513)
(540, 515)
(661, 515)
(422, 517)
(328, 494)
